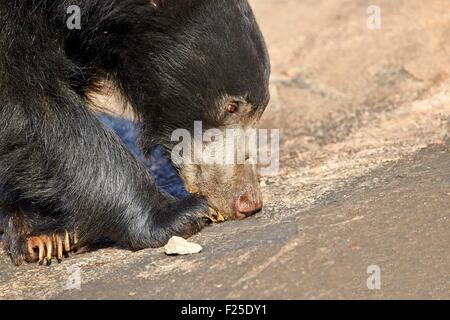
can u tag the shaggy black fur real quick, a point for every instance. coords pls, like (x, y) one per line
(173, 61)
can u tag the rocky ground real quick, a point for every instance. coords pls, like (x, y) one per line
(364, 175)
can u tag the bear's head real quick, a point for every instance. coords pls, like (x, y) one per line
(212, 69)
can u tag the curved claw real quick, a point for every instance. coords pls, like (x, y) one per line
(215, 216)
(58, 245)
(36, 243)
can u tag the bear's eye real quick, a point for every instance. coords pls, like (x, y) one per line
(232, 107)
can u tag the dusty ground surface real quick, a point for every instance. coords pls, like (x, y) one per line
(364, 174)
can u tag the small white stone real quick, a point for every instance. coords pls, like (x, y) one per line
(178, 245)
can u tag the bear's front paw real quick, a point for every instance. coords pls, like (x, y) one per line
(57, 245)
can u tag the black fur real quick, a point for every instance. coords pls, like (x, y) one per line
(59, 166)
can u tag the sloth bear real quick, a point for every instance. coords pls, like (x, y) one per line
(65, 178)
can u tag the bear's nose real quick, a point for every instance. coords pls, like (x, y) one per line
(248, 204)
